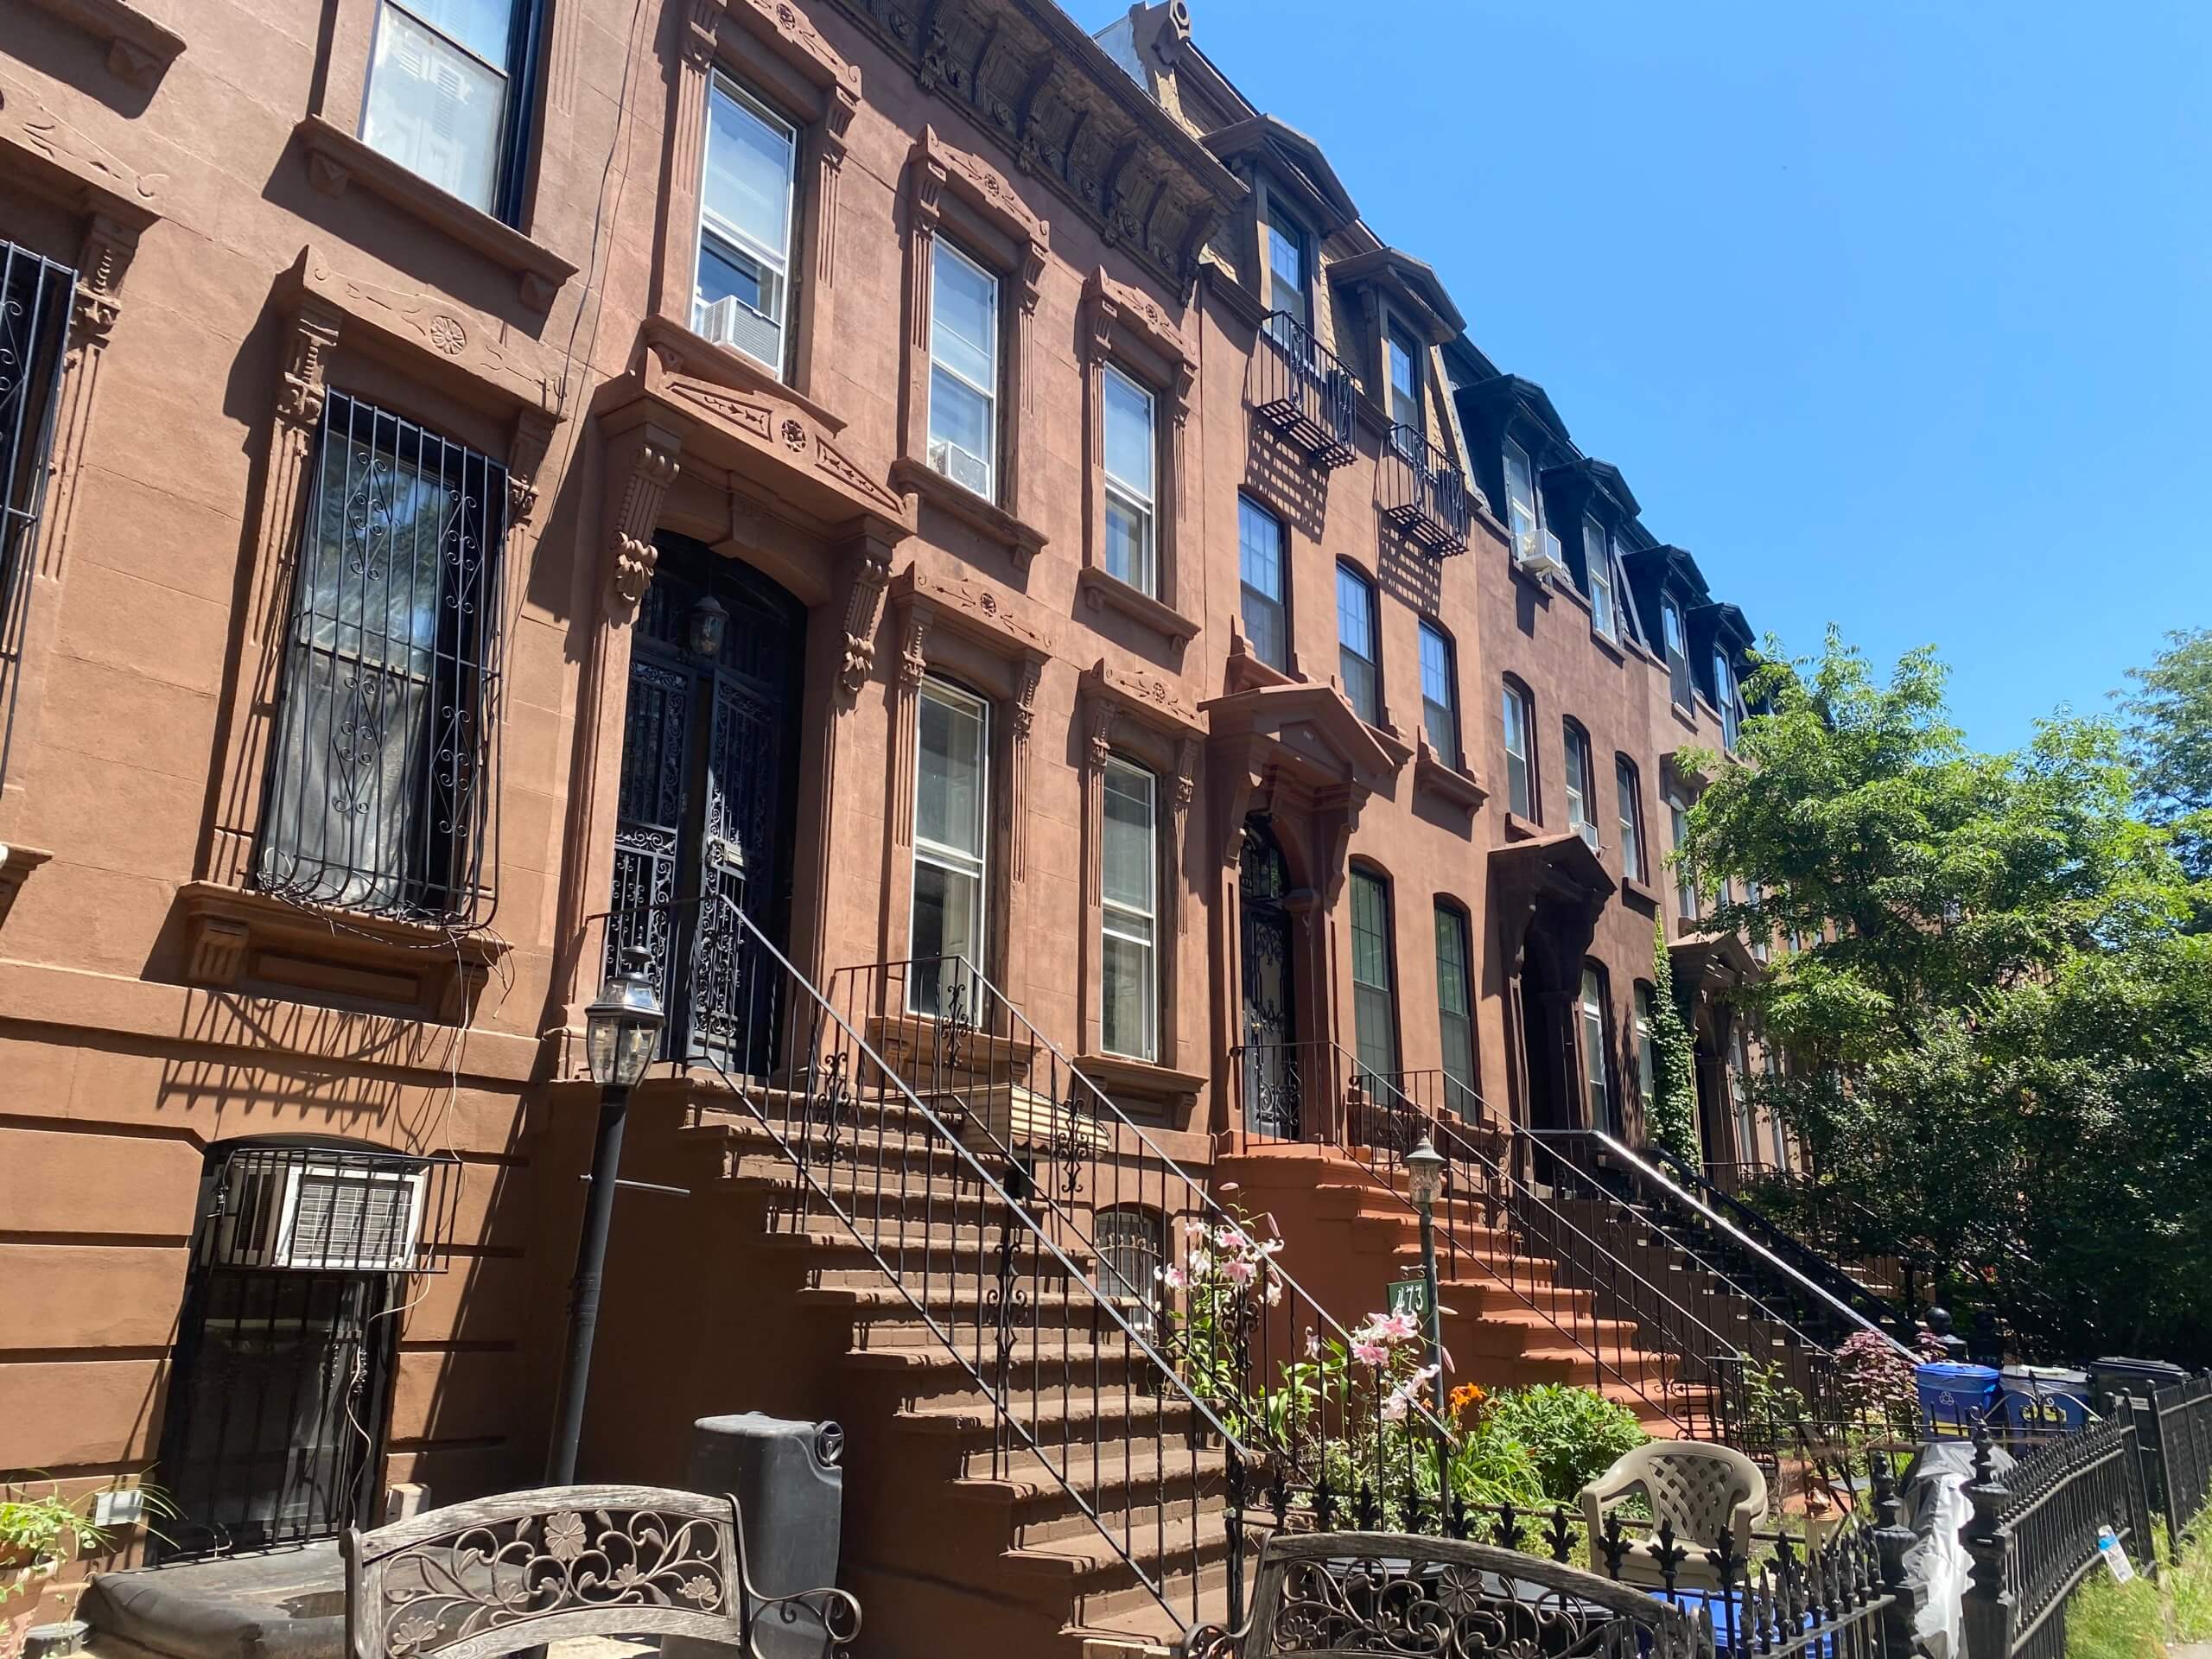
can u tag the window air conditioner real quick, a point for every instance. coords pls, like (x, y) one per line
(280, 1211)
(968, 471)
(1538, 554)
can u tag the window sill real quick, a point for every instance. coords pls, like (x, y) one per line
(1639, 894)
(336, 159)
(1246, 671)
(1395, 748)
(139, 49)
(1101, 589)
(1519, 828)
(1022, 540)
(1445, 781)
(1682, 715)
(16, 864)
(1611, 646)
(239, 940)
(1117, 1074)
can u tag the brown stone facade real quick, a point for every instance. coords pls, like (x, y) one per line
(246, 263)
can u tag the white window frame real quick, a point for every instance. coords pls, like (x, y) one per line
(1278, 225)
(1596, 1072)
(943, 248)
(1579, 765)
(1725, 697)
(1395, 342)
(1372, 655)
(740, 241)
(1138, 927)
(1523, 713)
(1130, 497)
(1430, 631)
(1598, 564)
(1628, 789)
(942, 856)
(1516, 510)
(1246, 507)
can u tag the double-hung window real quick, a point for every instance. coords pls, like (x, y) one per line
(964, 370)
(1678, 653)
(448, 95)
(1260, 572)
(1374, 993)
(1629, 794)
(377, 798)
(1678, 814)
(1455, 1012)
(1581, 786)
(1520, 771)
(1594, 1048)
(1286, 261)
(1439, 695)
(743, 284)
(1131, 452)
(1762, 935)
(1724, 695)
(1598, 568)
(1358, 656)
(1521, 510)
(1740, 1097)
(1647, 1055)
(1408, 423)
(1129, 1013)
(951, 791)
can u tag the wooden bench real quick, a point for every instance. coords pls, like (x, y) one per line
(1394, 1593)
(524, 1569)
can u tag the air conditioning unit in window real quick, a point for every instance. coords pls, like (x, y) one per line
(283, 1210)
(968, 471)
(730, 321)
(1538, 554)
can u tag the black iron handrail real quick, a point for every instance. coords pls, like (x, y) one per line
(1423, 491)
(1297, 387)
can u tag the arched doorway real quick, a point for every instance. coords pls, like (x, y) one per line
(1269, 1026)
(707, 802)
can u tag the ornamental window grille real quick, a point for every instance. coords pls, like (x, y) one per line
(379, 797)
(34, 297)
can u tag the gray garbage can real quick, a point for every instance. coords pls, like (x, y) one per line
(789, 1481)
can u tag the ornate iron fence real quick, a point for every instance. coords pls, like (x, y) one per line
(2174, 1429)
(2035, 1532)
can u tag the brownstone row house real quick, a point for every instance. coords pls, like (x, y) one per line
(963, 493)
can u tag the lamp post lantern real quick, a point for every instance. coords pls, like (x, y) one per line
(621, 1032)
(1425, 1169)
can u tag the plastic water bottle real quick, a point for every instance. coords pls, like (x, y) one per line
(2115, 1555)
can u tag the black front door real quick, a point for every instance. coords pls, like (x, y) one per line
(1271, 1079)
(706, 805)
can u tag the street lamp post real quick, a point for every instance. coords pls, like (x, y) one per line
(622, 1031)
(1425, 1169)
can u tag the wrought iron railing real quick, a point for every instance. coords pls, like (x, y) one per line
(2035, 1532)
(35, 303)
(1298, 387)
(1423, 493)
(2173, 1426)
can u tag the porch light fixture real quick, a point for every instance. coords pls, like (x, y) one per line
(622, 1028)
(1425, 1175)
(707, 623)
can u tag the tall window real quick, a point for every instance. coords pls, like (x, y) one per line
(1455, 1010)
(1629, 795)
(1405, 410)
(377, 792)
(1594, 1048)
(1132, 450)
(448, 95)
(1358, 656)
(1285, 260)
(1678, 652)
(1128, 1014)
(1647, 1055)
(951, 792)
(745, 226)
(1678, 817)
(1439, 695)
(35, 296)
(1520, 495)
(963, 370)
(1520, 769)
(1259, 571)
(1724, 693)
(1740, 1097)
(1373, 996)
(1597, 568)
(1762, 935)
(1581, 786)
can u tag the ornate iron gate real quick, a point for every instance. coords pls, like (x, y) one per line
(707, 797)
(1271, 1081)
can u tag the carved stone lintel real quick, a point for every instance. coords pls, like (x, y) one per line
(981, 186)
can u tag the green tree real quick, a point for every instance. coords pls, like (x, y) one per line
(2169, 717)
(1674, 1084)
(2004, 1055)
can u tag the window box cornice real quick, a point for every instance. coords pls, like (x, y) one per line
(65, 165)
(1445, 781)
(139, 49)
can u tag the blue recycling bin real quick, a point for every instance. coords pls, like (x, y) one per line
(2045, 1399)
(1955, 1399)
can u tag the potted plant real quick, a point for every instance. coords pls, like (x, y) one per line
(36, 1535)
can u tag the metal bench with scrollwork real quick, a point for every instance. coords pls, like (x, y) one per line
(1395, 1593)
(524, 1569)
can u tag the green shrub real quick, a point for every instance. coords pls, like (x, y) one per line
(1572, 1434)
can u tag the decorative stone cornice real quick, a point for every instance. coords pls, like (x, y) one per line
(65, 165)
(139, 49)
(1149, 698)
(1113, 304)
(1001, 623)
(933, 165)
(1066, 113)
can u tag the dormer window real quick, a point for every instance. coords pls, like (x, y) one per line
(1522, 514)
(745, 226)
(1598, 572)
(1724, 695)
(1405, 355)
(1678, 652)
(1285, 244)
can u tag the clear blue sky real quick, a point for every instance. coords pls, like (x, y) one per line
(1897, 316)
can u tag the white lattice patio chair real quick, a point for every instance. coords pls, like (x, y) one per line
(1698, 1487)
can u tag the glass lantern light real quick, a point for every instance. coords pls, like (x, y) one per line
(622, 1028)
(1425, 1175)
(708, 620)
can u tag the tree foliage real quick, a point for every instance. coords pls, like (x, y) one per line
(2170, 737)
(2001, 1032)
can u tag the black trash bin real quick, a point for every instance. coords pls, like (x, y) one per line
(2134, 1378)
(789, 1481)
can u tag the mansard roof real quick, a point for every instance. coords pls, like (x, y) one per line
(1289, 155)
(1412, 282)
